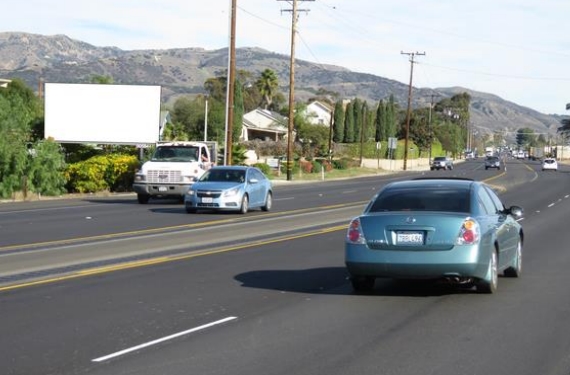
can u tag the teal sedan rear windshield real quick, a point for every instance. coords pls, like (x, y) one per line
(422, 199)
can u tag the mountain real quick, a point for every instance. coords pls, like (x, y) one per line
(182, 71)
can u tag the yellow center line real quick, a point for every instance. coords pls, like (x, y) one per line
(171, 228)
(163, 259)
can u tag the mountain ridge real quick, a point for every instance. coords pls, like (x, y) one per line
(182, 71)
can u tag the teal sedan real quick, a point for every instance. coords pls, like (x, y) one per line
(450, 229)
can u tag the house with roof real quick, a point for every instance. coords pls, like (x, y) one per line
(319, 113)
(265, 125)
(4, 82)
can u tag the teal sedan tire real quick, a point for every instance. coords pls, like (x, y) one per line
(490, 283)
(363, 284)
(516, 269)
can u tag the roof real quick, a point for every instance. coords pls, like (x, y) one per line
(262, 119)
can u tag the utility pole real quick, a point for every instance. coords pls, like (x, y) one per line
(331, 124)
(291, 124)
(429, 124)
(231, 84)
(409, 112)
(205, 118)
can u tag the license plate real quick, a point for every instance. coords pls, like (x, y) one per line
(162, 188)
(410, 238)
(207, 200)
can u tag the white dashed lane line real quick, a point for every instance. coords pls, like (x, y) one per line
(163, 339)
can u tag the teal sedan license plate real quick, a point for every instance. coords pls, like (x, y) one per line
(409, 238)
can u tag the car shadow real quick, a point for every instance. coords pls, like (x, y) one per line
(335, 280)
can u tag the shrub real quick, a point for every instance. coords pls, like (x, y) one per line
(306, 166)
(344, 163)
(100, 173)
(266, 169)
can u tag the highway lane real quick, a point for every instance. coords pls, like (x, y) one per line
(72, 236)
(296, 313)
(30, 222)
(55, 220)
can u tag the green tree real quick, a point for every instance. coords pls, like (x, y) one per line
(267, 85)
(216, 87)
(391, 117)
(238, 112)
(46, 167)
(102, 79)
(380, 122)
(419, 129)
(525, 137)
(19, 110)
(358, 119)
(338, 122)
(349, 123)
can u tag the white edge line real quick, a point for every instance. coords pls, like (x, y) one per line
(157, 341)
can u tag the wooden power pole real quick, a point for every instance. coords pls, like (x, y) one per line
(231, 85)
(290, 128)
(409, 111)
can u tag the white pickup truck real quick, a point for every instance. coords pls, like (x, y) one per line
(173, 167)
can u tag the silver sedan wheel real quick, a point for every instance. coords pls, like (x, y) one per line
(244, 204)
(268, 202)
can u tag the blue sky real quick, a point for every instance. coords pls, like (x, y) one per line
(516, 49)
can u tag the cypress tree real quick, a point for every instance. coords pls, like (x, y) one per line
(380, 128)
(349, 124)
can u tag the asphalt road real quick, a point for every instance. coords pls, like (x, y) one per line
(107, 286)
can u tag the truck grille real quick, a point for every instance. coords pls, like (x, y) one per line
(164, 176)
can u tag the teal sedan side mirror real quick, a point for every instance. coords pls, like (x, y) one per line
(515, 211)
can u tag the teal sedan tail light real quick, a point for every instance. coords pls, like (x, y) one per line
(354, 234)
(470, 233)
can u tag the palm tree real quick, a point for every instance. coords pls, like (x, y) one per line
(267, 85)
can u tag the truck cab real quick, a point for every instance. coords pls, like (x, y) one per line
(172, 168)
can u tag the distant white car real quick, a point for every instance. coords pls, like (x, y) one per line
(549, 164)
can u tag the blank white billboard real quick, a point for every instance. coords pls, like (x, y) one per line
(99, 113)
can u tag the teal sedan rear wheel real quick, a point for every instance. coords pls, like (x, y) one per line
(490, 282)
(362, 283)
(516, 269)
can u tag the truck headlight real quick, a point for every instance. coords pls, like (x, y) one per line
(140, 178)
(189, 179)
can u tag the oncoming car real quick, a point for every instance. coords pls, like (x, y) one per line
(456, 230)
(492, 162)
(441, 162)
(230, 188)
